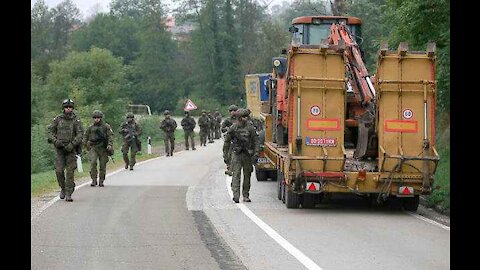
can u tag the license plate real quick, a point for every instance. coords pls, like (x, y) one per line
(262, 160)
(325, 142)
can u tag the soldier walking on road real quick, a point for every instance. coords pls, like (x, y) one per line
(130, 130)
(169, 126)
(188, 125)
(241, 136)
(218, 122)
(225, 125)
(211, 127)
(66, 132)
(98, 140)
(204, 123)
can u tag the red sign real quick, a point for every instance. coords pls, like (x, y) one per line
(189, 106)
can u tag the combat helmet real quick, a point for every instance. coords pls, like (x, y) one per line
(243, 112)
(97, 113)
(232, 108)
(166, 112)
(204, 111)
(130, 115)
(68, 102)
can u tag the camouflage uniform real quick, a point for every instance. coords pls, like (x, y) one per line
(204, 123)
(66, 132)
(228, 122)
(168, 126)
(98, 140)
(243, 139)
(218, 121)
(188, 125)
(130, 130)
(211, 127)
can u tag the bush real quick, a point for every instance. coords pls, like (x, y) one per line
(150, 127)
(42, 153)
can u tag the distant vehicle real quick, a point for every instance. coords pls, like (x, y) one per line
(139, 109)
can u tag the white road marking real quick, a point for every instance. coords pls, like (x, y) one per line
(428, 220)
(52, 201)
(302, 258)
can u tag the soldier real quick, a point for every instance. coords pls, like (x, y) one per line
(66, 132)
(168, 126)
(98, 140)
(225, 125)
(211, 127)
(218, 122)
(229, 120)
(188, 125)
(241, 136)
(130, 131)
(204, 123)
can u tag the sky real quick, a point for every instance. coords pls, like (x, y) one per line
(86, 5)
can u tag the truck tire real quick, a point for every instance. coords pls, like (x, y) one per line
(261, 175)
(411, 203)
(309, 200)
(291, 199)
(279, 185)
(395, 203)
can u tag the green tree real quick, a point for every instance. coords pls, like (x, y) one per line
(94, 79)
(154, 80)
(118, 35)
(419, 22)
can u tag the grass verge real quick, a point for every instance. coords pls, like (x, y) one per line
(46, 182)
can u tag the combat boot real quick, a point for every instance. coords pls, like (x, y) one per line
(236, 200)
(131, 168)
(171, 153)
(62, 194)
(126, 166)
(100, 183)
(193, 148)
(68, 197)
(94, 182)
(187, 148)
(168, 154)
(246, 199)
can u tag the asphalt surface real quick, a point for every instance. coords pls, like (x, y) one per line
(177, 213)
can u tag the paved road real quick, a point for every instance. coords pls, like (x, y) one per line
(177, 213)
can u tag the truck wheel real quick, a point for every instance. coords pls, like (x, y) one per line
(291, 199)
(261, 175)
(309, 200)
(411, 203)
(279, 185)
(395, 203)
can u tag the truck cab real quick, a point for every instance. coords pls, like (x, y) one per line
(311, 30)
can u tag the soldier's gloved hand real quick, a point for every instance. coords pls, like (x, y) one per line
(250, 152)
(69, 147)
(58, 143)
(109, 148)
(225, 161)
